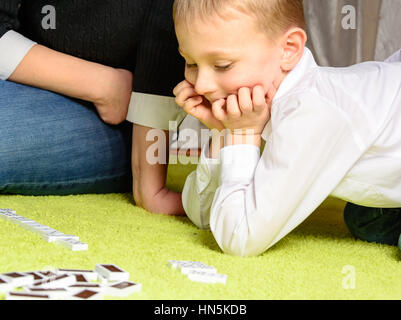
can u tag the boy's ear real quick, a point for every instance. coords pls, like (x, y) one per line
(293, 44)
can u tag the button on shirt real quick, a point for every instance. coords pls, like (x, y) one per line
(333, 132)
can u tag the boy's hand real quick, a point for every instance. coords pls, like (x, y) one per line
(196, 105)
(246, 114)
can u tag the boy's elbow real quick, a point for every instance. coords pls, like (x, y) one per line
(244, 250)
(241, 239)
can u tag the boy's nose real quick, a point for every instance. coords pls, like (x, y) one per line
(204, 85)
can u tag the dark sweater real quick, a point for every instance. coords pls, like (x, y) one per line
(137, 35)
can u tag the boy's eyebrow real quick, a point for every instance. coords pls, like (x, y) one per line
(213, 53)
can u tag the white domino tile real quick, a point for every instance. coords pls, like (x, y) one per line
(52, 293)
(111, 272)
(188, 266)
(56, 235)
(87, 294)
(59, 281)
(72, 244)
(47, 233)
(122, 289)
(91, 275)
(207, 277)
(5, 285)
(26, 296)
(18, 279)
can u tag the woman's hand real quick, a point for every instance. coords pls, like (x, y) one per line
(114, 98)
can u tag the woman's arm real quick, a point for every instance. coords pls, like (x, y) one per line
(149, 181)
(108, 88)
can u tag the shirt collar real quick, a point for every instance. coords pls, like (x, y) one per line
(290, 82)
(295, 75)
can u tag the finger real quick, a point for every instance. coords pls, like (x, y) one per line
(258, 98)
(245, 100)
(185, 94)
(182, 85)
(218, 109)
(191, 103)
(233, 110)
(270, 94)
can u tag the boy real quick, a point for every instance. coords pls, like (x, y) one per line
(328, 131)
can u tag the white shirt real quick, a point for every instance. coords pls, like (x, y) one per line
(333, 132)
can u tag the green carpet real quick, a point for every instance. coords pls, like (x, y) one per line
(313, 262)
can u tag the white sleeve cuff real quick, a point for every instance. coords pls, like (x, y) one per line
(238, 163)
(13, 48)
(206, 171)
(154, 111)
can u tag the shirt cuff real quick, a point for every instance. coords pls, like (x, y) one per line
(238, 163)
(154, 111)
(13, 48)
(206, 170)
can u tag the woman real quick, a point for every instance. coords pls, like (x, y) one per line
(69, 70)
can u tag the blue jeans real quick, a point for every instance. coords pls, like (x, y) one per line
(54, 145)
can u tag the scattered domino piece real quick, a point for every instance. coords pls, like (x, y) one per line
(52, 293)
(20, 220)
(70, 284)
(87, 295)
(196, 266)
(48, 234)
(187, 266)
(72, 244)
(111, 272)
(89, 274)
(102, 279)
(26, 296)
(198, 271)
(207, 277)
(123, 289)
(35, 274)
(7, 214)
(173, 264)
(18, 279)
(47, 274)
(63, 280)
(55, 236)
(89, 285)
(80, 278)
(5, 285)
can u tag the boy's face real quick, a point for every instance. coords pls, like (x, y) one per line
(223, 56)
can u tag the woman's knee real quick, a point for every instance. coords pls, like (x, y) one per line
(50, 139)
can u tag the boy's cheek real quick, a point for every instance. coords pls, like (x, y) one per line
(190, 77)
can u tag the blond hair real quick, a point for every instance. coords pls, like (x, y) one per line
(272, 16)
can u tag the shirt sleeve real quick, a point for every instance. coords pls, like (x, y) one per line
(199, 189)
(306, 156)
(13, 46)
(159, 68)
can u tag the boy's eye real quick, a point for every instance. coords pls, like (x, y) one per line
(222, 68)
(191, 65)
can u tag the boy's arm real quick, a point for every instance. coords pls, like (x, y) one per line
(260, 200)
(149, 180)
(199, 189)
